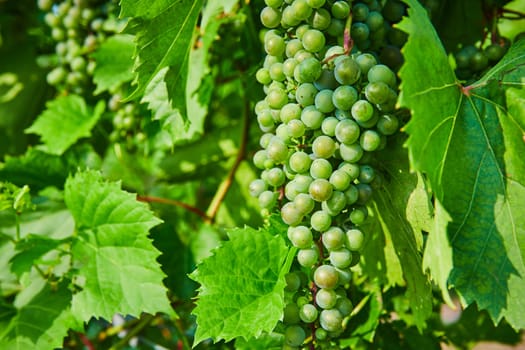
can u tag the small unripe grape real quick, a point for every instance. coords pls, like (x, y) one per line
(333, 238)
(305, 94)
(301, 237)
(326, 276)
(312, 117)
(267, 199)
(320, 190)
(329, 125)
(291, 314)
(314, 40)
(294, 335)
(296, 128)
(344, 97)
(351, 153)
(326, 298)
(370, 140)
(304, 203)
(345, 306)
(331, 320)
(270, 17)
(257, 187)
(291, 215)
(341, 258)
(347, 131)
(320, 19)
(307, 257)
(320, 169)
(347, 71)
(360, 12)
(323, 146)
(300, 162)
(293, 282)
(308, 313)
(320, 221)
(354, 239)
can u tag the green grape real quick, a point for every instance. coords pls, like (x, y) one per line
(267, 199)
(387, 124)
(275, 177)
(370, 140)
(320, 169)
(304, 203)
(362, 111)
(301, 236)
(291, 314)
(45, 5)
(312, 117)
(494, 52)
(315, 3)
(326, 298)
(375, 21)
(291, 191)
(345, 275)
(274, 45)
(321, 334)
(263, 76)
(257, 187)
(331, 320)
(382, 73)
(336, 27)
(303, 182)
(277, 150)
(360, 12)
(320, 190)
(294, 335)
(323, 101)
(394, 10)
(265, 119)
(301, 9)
(351, 153)
(320, 19)
(360, 32)
(270, 17)
(328, 126)
(326, 80)
(340, 9)
(479, 61)
(305, 94)
(326, 276)
(300, 162)
(277, 72)
(351, 169)
(302, 54)
(320, 221)
(293, 282)
(347, 71)
(347, 131)
(377, 92)
(333, 238)
(335, 204)
(308, 313)
(344, 97)
(354, 239)
(340, 180)
(288, 18)
(307, 257)
(291, 215)
(289, 112)
(358, 215)
(323, 146)
(308, 70)
(277, 98)
(292, 47)
(274, 3)
(289, 67)
(341, 258)
(344, 305)
(364, 192)
(56, 76)
(366, 174)
(296, 128)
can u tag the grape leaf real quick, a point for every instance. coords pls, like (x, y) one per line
(468, 142)
(42, 322)
(273, 341)
(164, 34)
(114, 63)
(66, 119)
(242, 286)
(30, 249)
(363, 325)
(112, 251)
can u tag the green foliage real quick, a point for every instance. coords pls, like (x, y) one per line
(248, 269)
(456, 138)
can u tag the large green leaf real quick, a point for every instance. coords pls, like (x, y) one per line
(114, 63)
(469, 141)
(164, 33)
(42, 322)
(242, 286)
(112, 251)
(66, 119)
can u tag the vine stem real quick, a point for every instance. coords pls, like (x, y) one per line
(225, 185)
(173, 202)
(146, 320)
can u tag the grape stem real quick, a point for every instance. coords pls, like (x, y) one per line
(225, 185)
(85, 340)
(173, 202)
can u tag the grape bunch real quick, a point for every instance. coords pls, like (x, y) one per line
(328, 108)
(472, 61)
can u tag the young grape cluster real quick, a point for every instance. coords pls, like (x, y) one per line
(328, 108)
(472, 61)
(78, 28)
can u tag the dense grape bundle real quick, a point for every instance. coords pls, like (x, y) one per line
(328, 108)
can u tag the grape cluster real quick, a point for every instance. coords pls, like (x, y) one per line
(327, 110)
(472, 61)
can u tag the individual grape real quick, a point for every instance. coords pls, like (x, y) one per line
(326, 80)
(335, 204)
(323, 146)
(344, 305)
(300, 162)
(320, 221)
(360, 32)
(289, 112)
(315, 3)
(344, 97)
(326, 276)
(265, 119)
(370, 140)
(45, 5)
(328, 126)
(382, 73)
(304, 203)
(301, 236)
(479, 61)
(313, 40)
(331, 320)
(273, 3)
(347, 131)
(275, 177)
(263, 76)
(362, 111)
(351, 169)
(378, 92)
(323, 101)
(274, 45)
(387, 124)
(320, 190)
(289, 67)
(296, 128)
(320, 19)
(291, 314)
(301, 9)
(308, 70)
(360, 12)
(358, 215)
(394, 10)
(366, 174)
(270, 17)
(267, 199)
(292, 47)
(305, 94)
(351, 153)
(340, 180)
(56, 76)
(294, 335)
(307, 257)
(288, 18)
(277, 98)
(282, 133)
(345, 275)
(494, 52)
(333, 238)
(293, 281)
(308, 313)
(336, 27)
(303, 182)
(321, 334)
(291, 215)
(340, 9)
(326, 298)
(341, 258)
(257, 187)
(354, 239)
(312, 117)
(375, 21)
(277, 150)
(320, 169)
(276, 72)
(347, 71)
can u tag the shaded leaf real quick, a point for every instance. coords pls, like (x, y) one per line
(30, 249)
